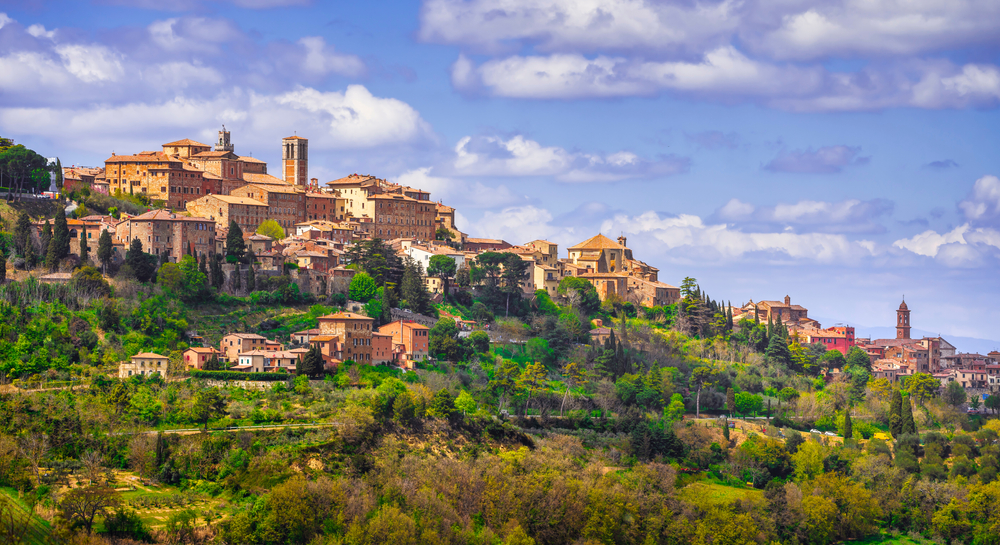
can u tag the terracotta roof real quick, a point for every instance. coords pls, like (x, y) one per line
(163, 215)
(237, 200)
(597, 242)
(207, 154)
(249, 159)
(258, 236)
(186, 142)
(201, 349)
(344, 316)
(294, 138)
(147, 156)
(267, 179)
(324, 338)
(485, 241)
(246, 336)
(150, 355)
(313, 331)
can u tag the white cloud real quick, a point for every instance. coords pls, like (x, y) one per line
(352, 119)
(799, 30)
(689, 236)
(520, 156)
(91, 64)
(321, 59)
(4, 19)
(849, 216)
(459, 193)
(520, 224)
(963, 246)
(37, 31)
(983, 203)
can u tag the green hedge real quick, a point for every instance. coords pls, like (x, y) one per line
(237, 375)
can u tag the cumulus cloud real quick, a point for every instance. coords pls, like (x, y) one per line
(849, 216)
(520, 156)
(729, 51)
(982, 206)
(519, 224)
(352, 119)
(824, 160)
(963, 246)
(457, 192)
(322, 59)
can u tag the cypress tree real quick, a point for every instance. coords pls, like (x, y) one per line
(251, 280)
(84, 248)
(235, 246)
(61, 234)
(52, 256)
(237, 273)
(104, 249)
(725, 428)
(45, 238)
(896, 414)
(730, 400)
(22, 234)
(203, 267)
(3, 269)
(848, 427)
(909, 426)
(30, 258)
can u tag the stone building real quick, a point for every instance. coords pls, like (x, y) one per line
(295, 161)
(410, 341)
(398, 216)
(354, 331)
(246, 212)
(161, 231)
(146, 364)
(234, 344)
(285, 204)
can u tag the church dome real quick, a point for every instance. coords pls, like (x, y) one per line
(902, 306)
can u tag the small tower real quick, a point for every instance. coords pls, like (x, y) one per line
(224, 144)
(903, 321)
(622, 240)
(295, 160)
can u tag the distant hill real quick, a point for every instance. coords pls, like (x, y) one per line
(963, 344)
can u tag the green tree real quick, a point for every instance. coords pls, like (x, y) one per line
(141, 264)
(442, 405)
(896, 413)
(532, 381)
(856, 356)
(375, 306)
(84, 247)
(207, 403)
(24, 169)
(465, 403)
(442, 267)
(312, 362)
(271, 228)
(574, 376)
(993, 402)
(848, 427)
(922, 386)
(52, 256)
(909, 425)
(674, 412)
(730, 401)
(833, 359)
(777, 351)
(413, 290)
(480, 341)
(45, 238)
(362, 288)
(747, 403)
(3, 269)
(701, 377)
(80, 506)
(235, 245)
(581, 293)
(104, 250)
(60, 233)
(22, 233)
(954, 394)
(505, 381)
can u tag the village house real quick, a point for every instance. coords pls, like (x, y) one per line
(410, 341)
(234, 344)
(196, 357)
(382, 349)
(161, 231)
(354, 331)
(145, 364)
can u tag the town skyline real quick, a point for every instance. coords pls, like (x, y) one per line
(754, 193)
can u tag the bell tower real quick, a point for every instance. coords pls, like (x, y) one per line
(224, 144)
(295, 160)
(903, 321)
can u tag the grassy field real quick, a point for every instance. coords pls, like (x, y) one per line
(706, 492)
(38, 530)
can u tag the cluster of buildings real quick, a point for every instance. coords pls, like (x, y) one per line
(892, 359)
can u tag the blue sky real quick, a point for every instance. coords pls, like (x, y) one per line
(842, 152)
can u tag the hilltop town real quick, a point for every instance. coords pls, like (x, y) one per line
(196, 350)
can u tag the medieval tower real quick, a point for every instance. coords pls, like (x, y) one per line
(295, 160)
(903, 321)
(224, 144)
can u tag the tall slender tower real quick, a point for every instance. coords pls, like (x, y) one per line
(903, 321)
(295, 160)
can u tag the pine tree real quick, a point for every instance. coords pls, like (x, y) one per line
(909, 426)
(30, 257)
(104, 249)
(311, 364)
(896, 414)
(413, 289)
(777, 351)
(84, 248)
(848, 428)
(61, 234)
